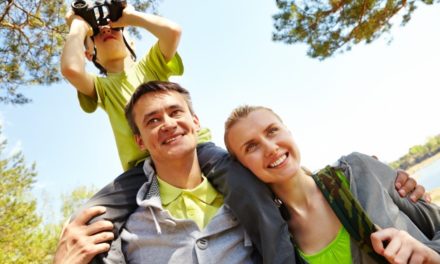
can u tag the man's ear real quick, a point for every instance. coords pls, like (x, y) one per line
(139, 142)
(196, 122)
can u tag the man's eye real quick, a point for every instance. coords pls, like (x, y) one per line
(176, 113)
(152, 121)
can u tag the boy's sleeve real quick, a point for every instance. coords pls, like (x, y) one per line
(154, 66)
(89, 104)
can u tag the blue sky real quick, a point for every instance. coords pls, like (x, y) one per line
(378, 99)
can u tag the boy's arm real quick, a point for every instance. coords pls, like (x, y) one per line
(72, 57)
(167, 32)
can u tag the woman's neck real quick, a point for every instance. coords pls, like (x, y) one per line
(313, 223)
(297, 193)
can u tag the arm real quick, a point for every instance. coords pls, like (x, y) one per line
(72, 57)
(167, 32)
(373, 184)
(251, 201)
(402, 248)
(80, 242)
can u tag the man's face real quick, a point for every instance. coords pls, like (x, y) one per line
(167, 128)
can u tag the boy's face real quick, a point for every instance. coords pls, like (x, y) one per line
(167, 128)
(109, 45)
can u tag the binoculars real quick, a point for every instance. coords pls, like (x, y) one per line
(97, 13)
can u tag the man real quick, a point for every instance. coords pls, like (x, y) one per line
(161, 117)
(180, 217)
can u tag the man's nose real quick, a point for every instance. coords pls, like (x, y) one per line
(169, 123)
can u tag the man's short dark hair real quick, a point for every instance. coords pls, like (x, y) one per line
(153, 87)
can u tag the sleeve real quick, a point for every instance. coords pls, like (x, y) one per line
(89, 104)
(424, 215)
(251, 201)
(154, 66)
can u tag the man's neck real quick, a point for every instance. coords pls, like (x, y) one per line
(182, 173)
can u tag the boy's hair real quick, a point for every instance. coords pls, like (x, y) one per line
(239, 113)
(154, 87)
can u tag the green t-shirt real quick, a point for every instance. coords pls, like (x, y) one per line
(115, 90)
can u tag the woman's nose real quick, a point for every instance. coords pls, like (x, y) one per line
(270, 148)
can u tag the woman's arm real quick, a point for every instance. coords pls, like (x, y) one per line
(397, 246)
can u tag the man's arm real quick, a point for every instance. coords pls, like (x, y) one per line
(73, 61)
(80, 242)
(167, 32)
(407, 186)
(370, 172)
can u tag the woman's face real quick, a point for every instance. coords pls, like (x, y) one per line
(263, 144)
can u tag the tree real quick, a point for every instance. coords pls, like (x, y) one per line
(73, 201)
(31, 37)
(336, 25)
(21, 238)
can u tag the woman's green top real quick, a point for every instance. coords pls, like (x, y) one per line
(338, 251)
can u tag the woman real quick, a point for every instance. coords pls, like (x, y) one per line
(269, 151)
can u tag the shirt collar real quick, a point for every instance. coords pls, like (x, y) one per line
(203, 192)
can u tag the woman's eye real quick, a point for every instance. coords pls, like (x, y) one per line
(272, 131)
(250, 147)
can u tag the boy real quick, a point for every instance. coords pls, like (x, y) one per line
(112, 54)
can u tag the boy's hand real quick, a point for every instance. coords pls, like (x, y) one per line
(79, 21)
(124, 20)
(402, 247)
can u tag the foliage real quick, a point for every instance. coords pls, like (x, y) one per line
(328, 26)
(418, 153)
(31, 37)
(21, 238)
(24, 237)
(73, 201)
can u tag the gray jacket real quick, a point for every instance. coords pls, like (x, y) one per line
(372, 183)
(152, 235)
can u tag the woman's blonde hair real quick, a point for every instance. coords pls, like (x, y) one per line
(238, 113)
